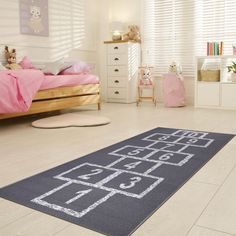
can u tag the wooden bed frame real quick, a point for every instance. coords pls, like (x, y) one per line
(61, 98)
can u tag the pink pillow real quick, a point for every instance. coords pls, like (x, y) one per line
(78, 67)
(26, 63)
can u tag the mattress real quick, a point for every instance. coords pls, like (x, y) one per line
(55, 81)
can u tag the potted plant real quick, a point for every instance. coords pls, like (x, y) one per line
(232, 69)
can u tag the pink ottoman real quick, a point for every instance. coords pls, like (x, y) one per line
(174, 92)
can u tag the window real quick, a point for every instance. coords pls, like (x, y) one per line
(179, 30)
(67, 26)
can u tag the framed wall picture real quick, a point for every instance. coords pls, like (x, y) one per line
(34, 17)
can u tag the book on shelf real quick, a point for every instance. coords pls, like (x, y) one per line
(215, 48)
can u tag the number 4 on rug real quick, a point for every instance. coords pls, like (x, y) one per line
(132, 165)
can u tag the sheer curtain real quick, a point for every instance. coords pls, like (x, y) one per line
(180, 29)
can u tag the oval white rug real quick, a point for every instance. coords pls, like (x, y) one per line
(70, 120)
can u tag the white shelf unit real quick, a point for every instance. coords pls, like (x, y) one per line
(220, 94)
(123, 61)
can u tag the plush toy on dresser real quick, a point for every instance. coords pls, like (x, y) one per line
(133, 34)
(10, 56)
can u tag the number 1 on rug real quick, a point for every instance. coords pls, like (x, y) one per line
(79, 195)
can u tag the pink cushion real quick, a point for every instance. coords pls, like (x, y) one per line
(78, 67)
(26, 63)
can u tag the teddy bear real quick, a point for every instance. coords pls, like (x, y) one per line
(145, 76)
(10, 56)
(173, 67)
(176, 68)
(133, 34)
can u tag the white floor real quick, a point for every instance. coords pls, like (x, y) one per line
(204, 206)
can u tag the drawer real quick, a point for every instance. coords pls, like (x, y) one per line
(117, 71)
(117, 48)
(116, 82)
(117, 59)
(228, 93)
(208, 93)
(116, 93)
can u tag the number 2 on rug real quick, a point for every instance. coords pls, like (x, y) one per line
(88, 176)
(133, 181)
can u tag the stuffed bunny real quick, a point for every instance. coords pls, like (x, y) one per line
(10, 56)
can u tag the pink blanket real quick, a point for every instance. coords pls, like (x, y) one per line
(54, 81)
(18, 88)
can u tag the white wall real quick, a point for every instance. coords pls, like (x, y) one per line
(104, 35)
(82, 33)
(126, 11)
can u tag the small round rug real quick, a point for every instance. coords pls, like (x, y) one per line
(70, 120)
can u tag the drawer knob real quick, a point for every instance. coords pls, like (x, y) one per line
(116, 59)
(117, 81)
(116, 70)
(116, 92)
(116, 48)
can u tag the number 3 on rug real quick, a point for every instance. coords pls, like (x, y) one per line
(133, 181)
(88, 176)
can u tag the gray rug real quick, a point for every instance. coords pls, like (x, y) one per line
(114, 190)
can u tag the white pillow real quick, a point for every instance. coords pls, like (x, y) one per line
(2, 67)
(56, 67)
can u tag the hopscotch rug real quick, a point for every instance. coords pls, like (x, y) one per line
(114, 190)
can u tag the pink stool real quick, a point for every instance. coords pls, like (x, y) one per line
(174, 92)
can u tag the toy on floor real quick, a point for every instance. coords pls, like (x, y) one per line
(10, 56)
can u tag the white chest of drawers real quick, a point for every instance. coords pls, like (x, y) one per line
(123, 60)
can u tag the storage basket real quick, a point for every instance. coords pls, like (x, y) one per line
(210, 75)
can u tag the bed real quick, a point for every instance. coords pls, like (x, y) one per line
(61, 92)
